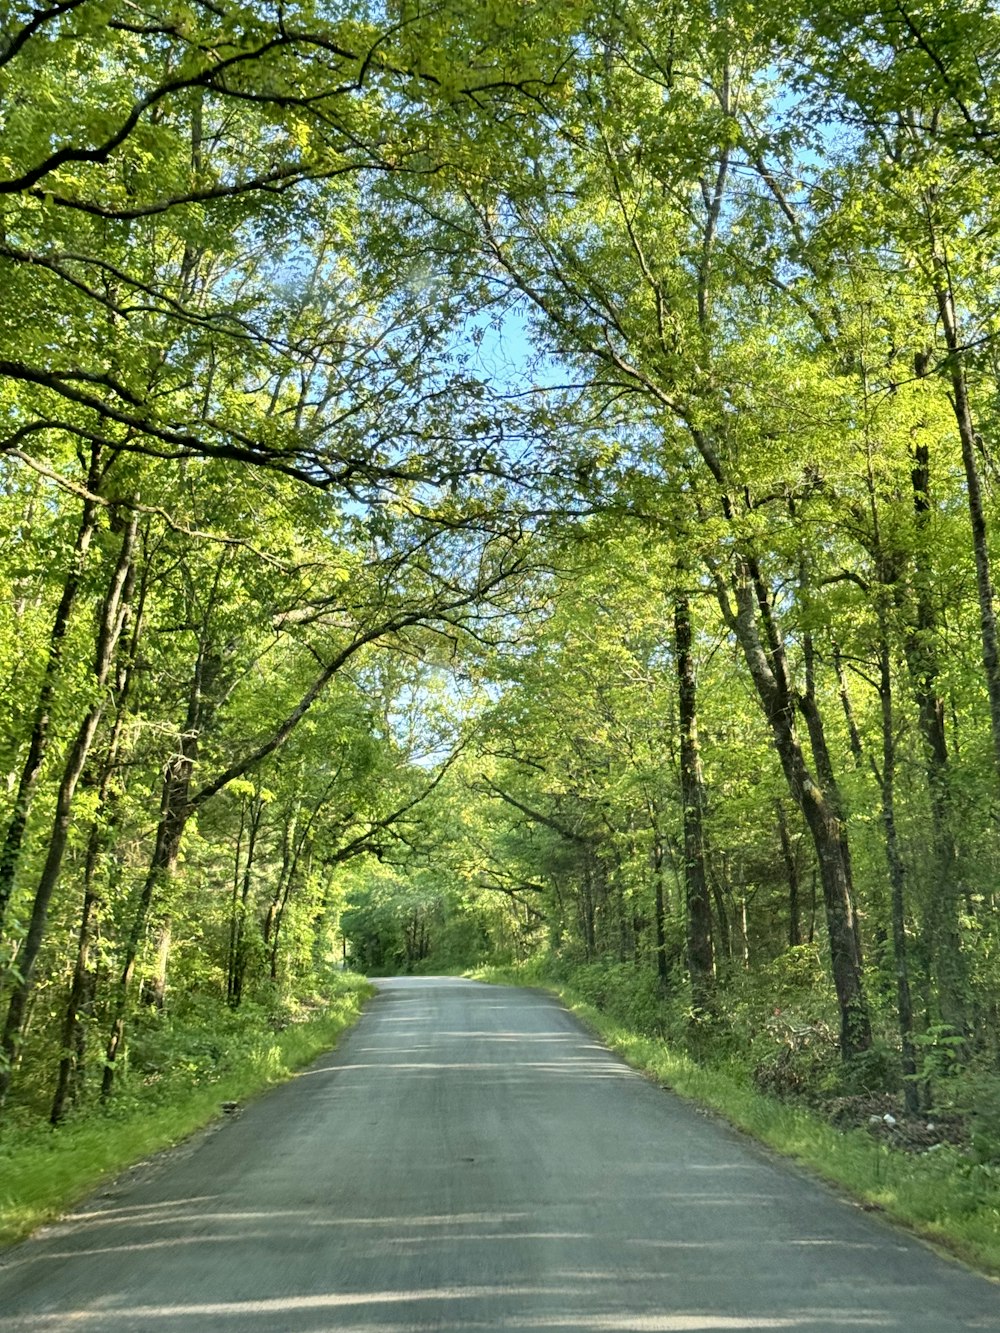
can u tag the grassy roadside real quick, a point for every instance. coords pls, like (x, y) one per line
(940, 1196)
(44, 1171)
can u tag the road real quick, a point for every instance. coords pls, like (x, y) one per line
(469, 1158)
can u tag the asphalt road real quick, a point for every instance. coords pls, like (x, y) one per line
(470, 1158)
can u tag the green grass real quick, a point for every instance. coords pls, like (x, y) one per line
(942, 1196)
(44, 1171)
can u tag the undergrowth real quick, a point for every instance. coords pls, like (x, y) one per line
(180, 1076)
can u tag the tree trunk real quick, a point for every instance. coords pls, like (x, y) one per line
(944, 944)
(175, 810)
(809, 708)
(38, 743)
(771, 680)
(854, 735)
(660, 915)
(102, 832)
(293, 843)
(174, 813)
(154, 987)
(81, 990)
(108, 631)
(278, 921)
(700, 955)
(240, 948)
(234, 904)
(792, 875)
(587, 922)
(974, 498)
(897, 883)
(723, 931)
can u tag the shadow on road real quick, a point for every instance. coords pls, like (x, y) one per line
(472, 1159)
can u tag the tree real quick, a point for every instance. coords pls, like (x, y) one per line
(622, 267)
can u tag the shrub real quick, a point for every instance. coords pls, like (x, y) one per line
(803, 1063)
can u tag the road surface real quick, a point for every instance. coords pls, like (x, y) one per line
(470, 1158)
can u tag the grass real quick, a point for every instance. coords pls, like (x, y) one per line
(943, 1196)
(45, 1171)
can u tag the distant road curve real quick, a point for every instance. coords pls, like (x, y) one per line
(470, 1158)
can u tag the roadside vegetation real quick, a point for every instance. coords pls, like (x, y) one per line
(187, 1072)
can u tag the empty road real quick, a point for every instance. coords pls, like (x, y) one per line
(469, 1158)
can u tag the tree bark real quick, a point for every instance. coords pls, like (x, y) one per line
(943, 932)
(792, 875)
(81, 990)
(279, 902)
(102, 829)
(109, 629)
(897, 883)
(154, 986)
(38, 743)
(175, 810)
(174, 813)
(660, 912)
(974, 498)
(234, 903)
(825, 827)
(700, 954)
(809, 707)
(240, 954)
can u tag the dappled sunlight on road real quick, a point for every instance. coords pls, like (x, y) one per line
(574, 1295)
(561, 1068)
(283, 1305)
(472, 1035)
(473, 1160)
(704, 1323)
(303, 1314)
(520, 1038)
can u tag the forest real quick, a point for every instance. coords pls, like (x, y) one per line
(501, 486)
